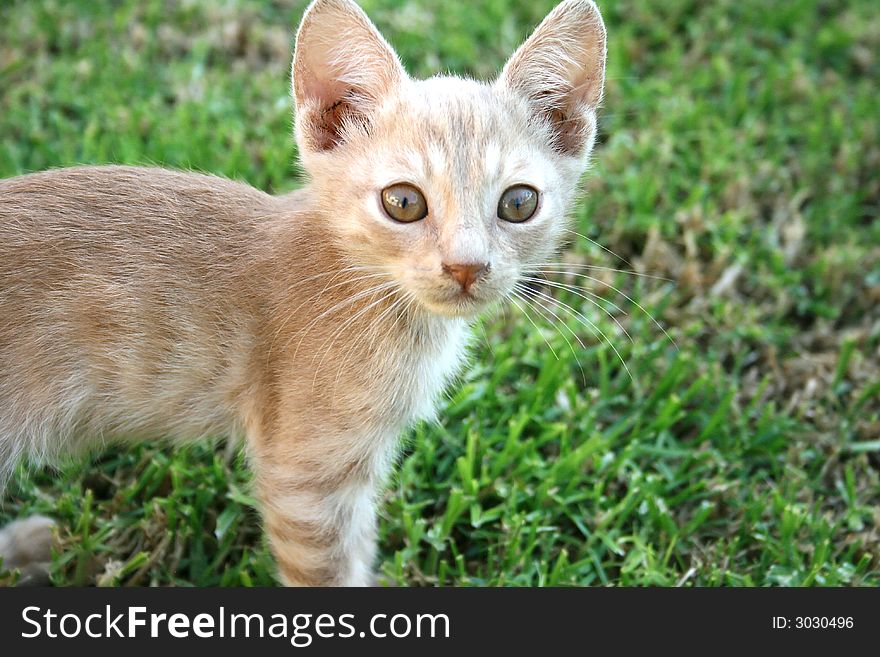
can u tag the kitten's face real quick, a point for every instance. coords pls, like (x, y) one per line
(488, 171)
(461, 145)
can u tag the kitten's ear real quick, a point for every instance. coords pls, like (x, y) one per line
(561, 70)
(342, 67)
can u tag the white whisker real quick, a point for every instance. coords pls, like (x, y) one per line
(562, 268)
(574, 289)
(631, 300)
(591, 324)
(335, 308)
(566, 327)
(375, 324)
(335, 335)
(594, 242)
(553, 351)
(290, 314)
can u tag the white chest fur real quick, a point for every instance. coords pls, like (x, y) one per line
(436, 361)
(419, 367)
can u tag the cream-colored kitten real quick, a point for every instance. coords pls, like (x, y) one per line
(144, 303)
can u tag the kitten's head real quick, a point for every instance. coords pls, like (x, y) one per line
(452, 187)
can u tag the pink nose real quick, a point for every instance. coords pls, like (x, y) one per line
(466, 274)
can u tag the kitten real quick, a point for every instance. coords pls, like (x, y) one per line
(144, 303)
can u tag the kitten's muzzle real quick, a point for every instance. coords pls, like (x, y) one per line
(466, 274)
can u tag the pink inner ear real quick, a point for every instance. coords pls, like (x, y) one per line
(327, 107)
(325, 126)
(342, 68)
(317, 70)
(571, 130)
(311, 88)
(588, 83)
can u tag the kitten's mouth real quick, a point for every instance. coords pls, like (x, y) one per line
(462, 304)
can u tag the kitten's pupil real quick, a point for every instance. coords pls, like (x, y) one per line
(404, 202)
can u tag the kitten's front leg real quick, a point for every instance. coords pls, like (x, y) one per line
(319, 514)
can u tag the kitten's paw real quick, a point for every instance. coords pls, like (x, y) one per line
(26, 546)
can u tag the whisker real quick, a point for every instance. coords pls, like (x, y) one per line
(574, 289)
(631, 300)
(338, 306)
(601, 246)
(543, 280)
(407, 297)
(404, 312)
(332, 339)
(335, 275)
(528, 317)
(375, 290)
(297, 283)
(592, 326)
(567, 341)
(562, 268)
(341, 283)
(482, 325)
(337, 272)
(634, 302)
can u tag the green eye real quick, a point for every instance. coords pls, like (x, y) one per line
(518, 203)
(404, 203)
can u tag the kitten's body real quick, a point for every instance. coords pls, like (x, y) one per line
(115, 332)
(139, 303)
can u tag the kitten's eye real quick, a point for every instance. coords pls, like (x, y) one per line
(404, 203)
(518, 203)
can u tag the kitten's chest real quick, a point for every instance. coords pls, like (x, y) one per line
(415, 368)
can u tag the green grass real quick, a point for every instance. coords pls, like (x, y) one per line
(739, 158)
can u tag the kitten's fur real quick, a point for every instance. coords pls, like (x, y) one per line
(139, 302)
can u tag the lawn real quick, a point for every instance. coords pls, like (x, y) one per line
(721, 424)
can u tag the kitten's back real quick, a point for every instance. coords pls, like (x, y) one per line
(124, 298)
